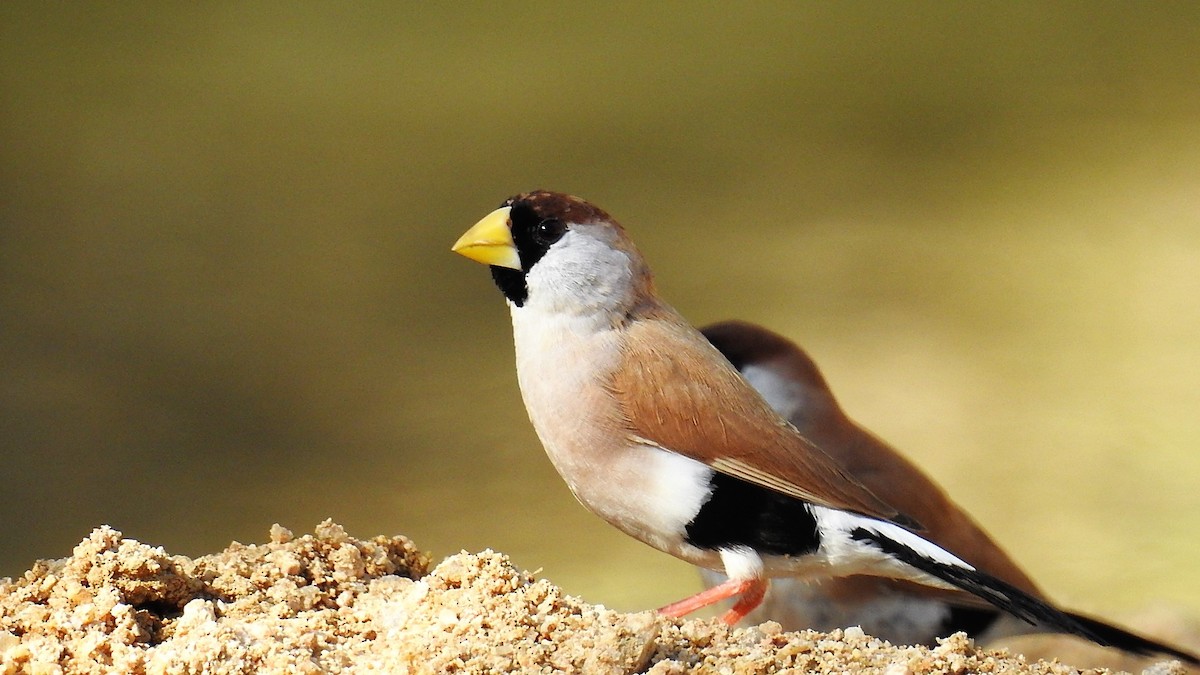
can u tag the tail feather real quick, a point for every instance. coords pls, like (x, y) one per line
(1021, 604)
(1130, 642)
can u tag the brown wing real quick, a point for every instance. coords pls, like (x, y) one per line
(667, 384)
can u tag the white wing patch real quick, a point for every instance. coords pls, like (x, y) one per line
(856, 556)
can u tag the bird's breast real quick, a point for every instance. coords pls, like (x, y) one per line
(644, 490)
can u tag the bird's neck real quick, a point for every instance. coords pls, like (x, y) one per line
(558, 353)
(560, 358)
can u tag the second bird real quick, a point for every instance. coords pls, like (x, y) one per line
(898, 611)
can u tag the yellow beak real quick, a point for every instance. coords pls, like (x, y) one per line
(490, 241)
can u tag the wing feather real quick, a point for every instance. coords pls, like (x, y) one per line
(669, 377)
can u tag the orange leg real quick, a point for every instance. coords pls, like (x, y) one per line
(751, 592)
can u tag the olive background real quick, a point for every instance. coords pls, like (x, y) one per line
(227, 297)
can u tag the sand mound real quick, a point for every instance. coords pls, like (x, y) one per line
(328, 602)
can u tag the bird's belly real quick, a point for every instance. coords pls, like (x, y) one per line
(646, 492)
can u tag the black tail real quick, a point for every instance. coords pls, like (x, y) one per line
(1130, 642)
(1021, 604)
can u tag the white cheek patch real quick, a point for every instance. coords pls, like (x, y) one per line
(581, 273)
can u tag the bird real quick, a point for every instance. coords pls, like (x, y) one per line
(895, 610)
(657, 433)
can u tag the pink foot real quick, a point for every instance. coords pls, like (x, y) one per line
(751, 592)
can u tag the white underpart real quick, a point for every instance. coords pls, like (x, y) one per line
(741, 562)
(676, 488)
(781, 393)
(847, 555)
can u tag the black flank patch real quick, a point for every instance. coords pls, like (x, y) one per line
(739, 513)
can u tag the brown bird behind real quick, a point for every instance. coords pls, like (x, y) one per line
(893, 609)
(896, 610)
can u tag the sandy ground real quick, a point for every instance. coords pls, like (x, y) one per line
(328, 602)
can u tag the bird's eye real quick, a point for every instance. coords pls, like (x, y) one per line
(549, 231)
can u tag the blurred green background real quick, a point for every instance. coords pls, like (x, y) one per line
(227, 297)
